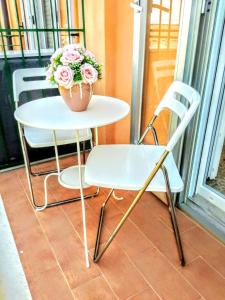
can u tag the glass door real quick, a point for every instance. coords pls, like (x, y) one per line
(211, 179)
(161, 51)
(157, 38)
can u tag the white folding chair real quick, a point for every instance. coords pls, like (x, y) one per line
(33, 79)
(143, 167)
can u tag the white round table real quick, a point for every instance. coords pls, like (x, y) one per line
(53, 114)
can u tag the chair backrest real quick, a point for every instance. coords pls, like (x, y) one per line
(171, 101)
(27, 80)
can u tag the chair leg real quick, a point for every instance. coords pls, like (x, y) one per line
(173, 218)
(83, 153)
(100, 223)
(42, 173)
(28, 172)
(35, 174)
(97, 254)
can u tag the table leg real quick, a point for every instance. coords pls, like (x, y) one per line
(56, 152)
(82, 202)
(96, 136)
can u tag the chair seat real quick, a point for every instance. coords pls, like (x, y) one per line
(38, 138)
(128, 166)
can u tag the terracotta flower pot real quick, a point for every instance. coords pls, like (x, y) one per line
(77, 98)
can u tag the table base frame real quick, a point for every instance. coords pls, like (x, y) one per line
(49, 172)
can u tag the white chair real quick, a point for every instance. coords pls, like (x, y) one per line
(143, 167)
(33, 79)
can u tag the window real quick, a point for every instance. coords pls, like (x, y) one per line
(37, 27)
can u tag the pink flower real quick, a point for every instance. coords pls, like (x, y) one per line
(72, 47)
(89, 73)
(71, 56)
(64, 76)
(89, 54)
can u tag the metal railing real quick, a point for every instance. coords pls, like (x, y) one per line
(164, 35)
(28, 36)
(22, 34)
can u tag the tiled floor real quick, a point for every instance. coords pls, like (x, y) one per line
(141, 264)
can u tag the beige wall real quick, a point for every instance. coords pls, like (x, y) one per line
(109, 28)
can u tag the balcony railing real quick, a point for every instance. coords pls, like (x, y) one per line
(37, 28)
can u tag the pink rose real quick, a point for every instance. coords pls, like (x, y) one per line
(89, 54)
(89, 73)
(71, 56)
(64, 76)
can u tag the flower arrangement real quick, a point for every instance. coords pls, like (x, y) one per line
(72, 65)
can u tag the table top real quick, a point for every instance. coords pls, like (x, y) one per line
(53, 113)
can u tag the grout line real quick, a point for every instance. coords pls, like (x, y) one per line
(73, 227)
(162, 254)
(195, 225)
(90, 257)
(141, 274)
(136, 294)
(212, 267)
(171, 229)
(211, 235)
(129, 258)
(100, 275)
(108, 282)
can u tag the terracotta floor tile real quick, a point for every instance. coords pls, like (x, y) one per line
(95, 289)
(165, 280)
(158, 208)
(208, 247)
(6, 180)
(56, 225)
(159, 234)
(130, 238)
(121, 273)
(205, 279)
(50, 285)
(35, 253)
(66, 246)
(36, 257)
(11, 189)
(53, 258)
(20, 213)
(148, 294)
(73, 212)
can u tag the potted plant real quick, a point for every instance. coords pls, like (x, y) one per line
(74, 69)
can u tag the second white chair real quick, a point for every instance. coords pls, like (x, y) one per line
(143, 167)
(33, 79)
